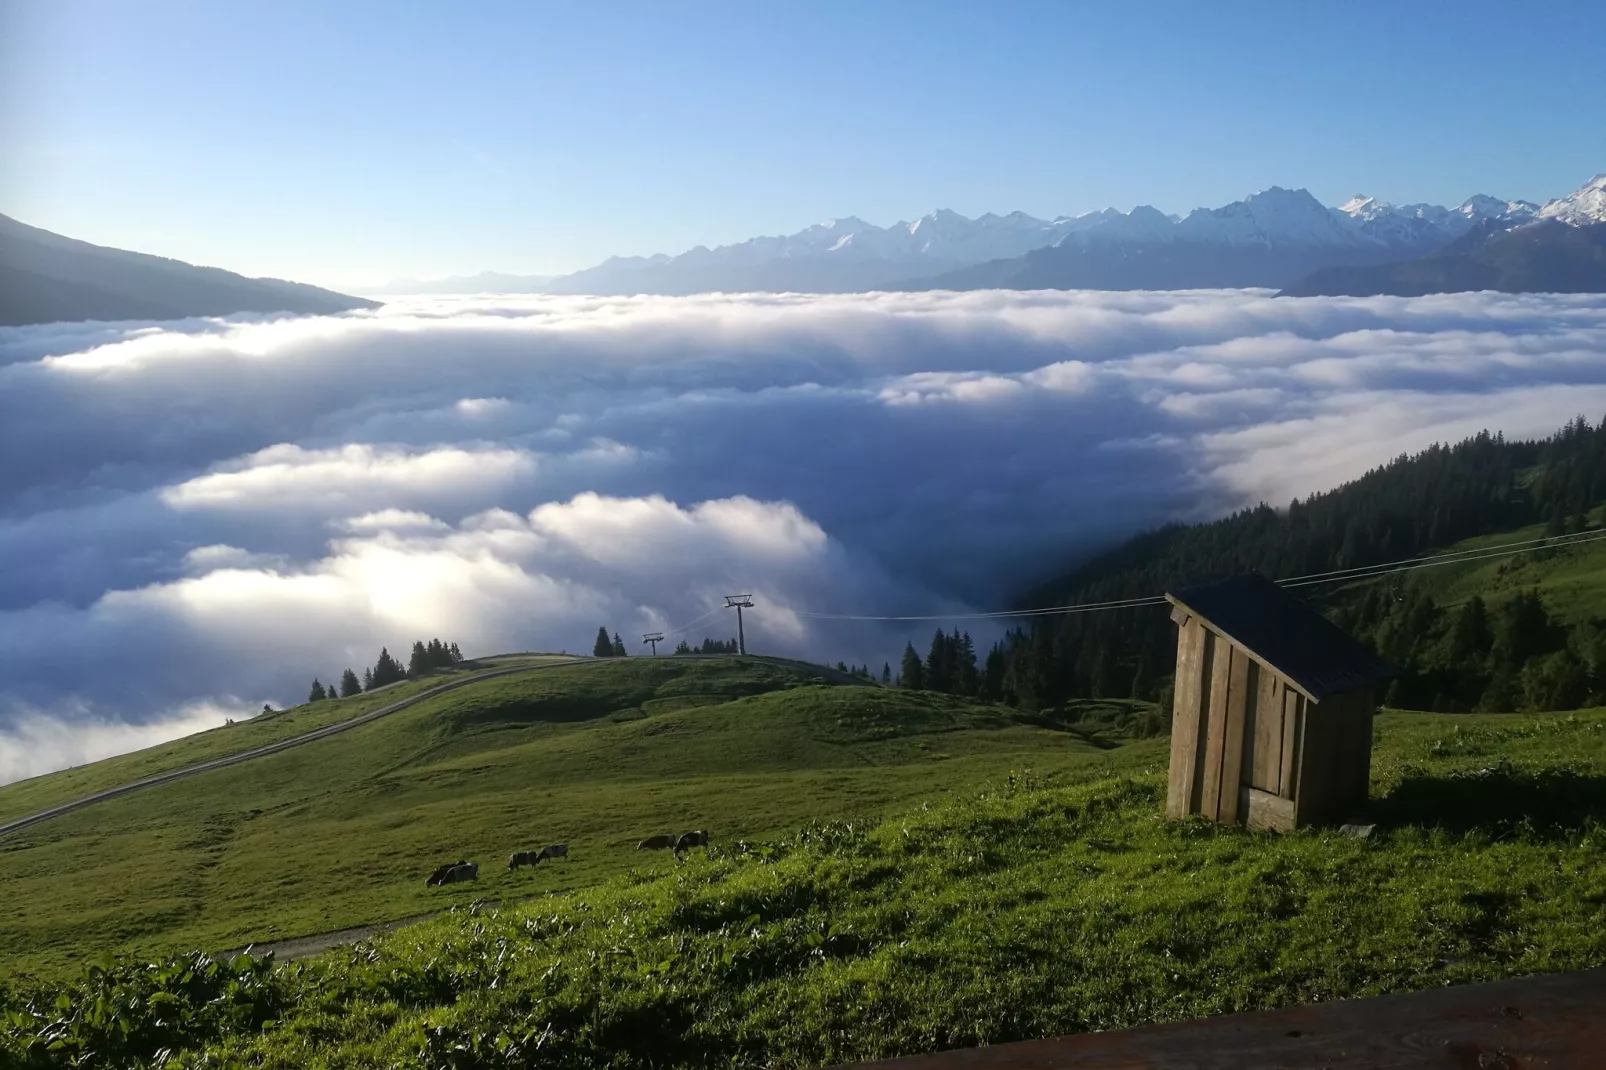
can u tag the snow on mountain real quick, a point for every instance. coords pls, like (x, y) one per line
(1481, 206)
(941, 237)
(1144, 223)
(1284, 217)
(1404, 225)
(1583, 207)
(1431, 224)
(1272, 216)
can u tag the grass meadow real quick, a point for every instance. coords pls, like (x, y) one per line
(1024, 908)
(342, 832)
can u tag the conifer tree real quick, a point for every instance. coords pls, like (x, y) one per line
(1098, 685)
(603, 648)
(368, 679)
(619, 650)
(935, 677)
(418, 662)
(1471, 636)
(992, 684)
(683, 647)
(457, 655)
(317, 694)
(886, 672)
(912, 674)
(387, 670)
(968, 680)
(1142, 676)
(349, 684)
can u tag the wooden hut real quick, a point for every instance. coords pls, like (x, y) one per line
(1273, 703)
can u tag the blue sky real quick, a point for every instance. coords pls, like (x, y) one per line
(352, 143)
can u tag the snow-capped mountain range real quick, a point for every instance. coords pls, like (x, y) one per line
(1271, 238)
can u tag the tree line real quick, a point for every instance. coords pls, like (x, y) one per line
(709, 646)
(425, 658)
(613, 646)
(864, 672)
(1411, 505)
(605, 647)
(1513, 656)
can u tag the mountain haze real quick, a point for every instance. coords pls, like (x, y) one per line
(840, 255)
(1272, 238)
(47, 278)
(485, 282)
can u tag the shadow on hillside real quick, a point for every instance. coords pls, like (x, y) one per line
(1502, 800)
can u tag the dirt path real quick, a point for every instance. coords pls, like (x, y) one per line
(302, 947)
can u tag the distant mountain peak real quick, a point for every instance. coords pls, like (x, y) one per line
(1583, 207)
(1281, 194)
(1273, 216)
(1481, 206)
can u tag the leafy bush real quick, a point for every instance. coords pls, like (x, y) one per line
(124, 1014)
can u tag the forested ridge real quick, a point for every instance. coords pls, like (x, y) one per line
(1452, 657)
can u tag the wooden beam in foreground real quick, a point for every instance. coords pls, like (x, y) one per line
(1547, 1022)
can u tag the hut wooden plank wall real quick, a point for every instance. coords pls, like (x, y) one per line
(1272, 709)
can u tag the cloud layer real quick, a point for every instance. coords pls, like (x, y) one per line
(201, 515)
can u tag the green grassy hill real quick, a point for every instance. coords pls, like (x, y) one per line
(342, 832)
(1570, 578)
(1020, 911)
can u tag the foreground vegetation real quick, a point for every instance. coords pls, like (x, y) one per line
(342, 832)
(1024, 910)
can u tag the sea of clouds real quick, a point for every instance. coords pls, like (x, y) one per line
(197, 517)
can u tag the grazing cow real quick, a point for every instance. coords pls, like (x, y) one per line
(691, 839)
(468, 871)
(658, 843)
(523, 858)
(556, 850)
(439, 876)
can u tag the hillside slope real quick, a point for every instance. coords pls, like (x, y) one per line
(1416, 505)
(47, 278)
(1544, 257)
(342, 832)
(1026, 911)
(1172, 265)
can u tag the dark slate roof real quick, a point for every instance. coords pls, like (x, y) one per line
(1273, 624)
